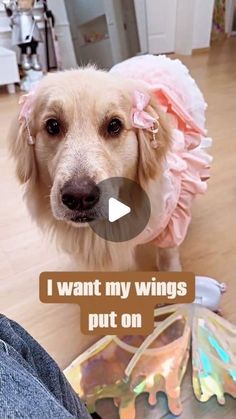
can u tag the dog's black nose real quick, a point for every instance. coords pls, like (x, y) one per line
(80, 194)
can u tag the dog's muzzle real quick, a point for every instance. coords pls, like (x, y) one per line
(80, 196)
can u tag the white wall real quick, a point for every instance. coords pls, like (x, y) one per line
(184, 26)
(129, 18)
(141, 16)
(202, 23)
(62, 28)
(88, 10)
(193, 24)
(119, 46)
(229, 15)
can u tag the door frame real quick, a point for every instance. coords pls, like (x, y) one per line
(186, 21)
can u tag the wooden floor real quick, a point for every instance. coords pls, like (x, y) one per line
(210, 248)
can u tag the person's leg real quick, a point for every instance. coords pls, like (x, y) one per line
(31, 382)
(23, 48)
(34, 56)
(33, 46)
(25, 59)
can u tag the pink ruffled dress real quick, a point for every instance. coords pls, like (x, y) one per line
(187, 165)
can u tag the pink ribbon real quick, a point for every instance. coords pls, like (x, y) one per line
(141, 118)
(26, 102)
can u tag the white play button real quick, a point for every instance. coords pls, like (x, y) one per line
(117, 210)
(125, 210)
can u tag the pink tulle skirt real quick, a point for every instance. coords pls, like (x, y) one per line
(187, 165)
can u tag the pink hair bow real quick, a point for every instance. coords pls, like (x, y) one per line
(141, 118)
(26, 102)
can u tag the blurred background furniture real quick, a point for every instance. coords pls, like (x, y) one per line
(9, 73)
(62, 29)
(108, 31)
(99, 30)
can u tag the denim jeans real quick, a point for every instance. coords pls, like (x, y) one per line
(31, 383)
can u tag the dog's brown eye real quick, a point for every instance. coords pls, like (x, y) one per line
(114, 127)
(53, 127)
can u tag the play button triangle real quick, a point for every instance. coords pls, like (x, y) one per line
(117, 210)
(123, 210)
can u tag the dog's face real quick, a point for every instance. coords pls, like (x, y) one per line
(83, 134)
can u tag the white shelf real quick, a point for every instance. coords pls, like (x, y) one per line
(93, 31)
(99, 41)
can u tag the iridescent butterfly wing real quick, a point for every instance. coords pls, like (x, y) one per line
(213, 356)
(124, 368)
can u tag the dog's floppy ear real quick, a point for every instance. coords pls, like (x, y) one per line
(151, 157)
(22, 152)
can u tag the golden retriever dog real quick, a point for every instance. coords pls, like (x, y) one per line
(81, 133)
